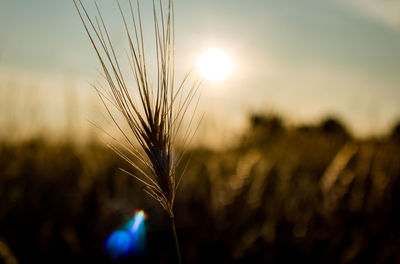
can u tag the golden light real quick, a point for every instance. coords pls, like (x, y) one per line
(214, 65)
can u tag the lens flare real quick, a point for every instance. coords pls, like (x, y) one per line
(130, 240)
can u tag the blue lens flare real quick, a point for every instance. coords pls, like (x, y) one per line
(118, 244)
(130, 240)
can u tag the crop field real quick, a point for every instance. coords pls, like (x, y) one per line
(305, 194)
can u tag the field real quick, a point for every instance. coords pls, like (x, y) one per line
(310, 194)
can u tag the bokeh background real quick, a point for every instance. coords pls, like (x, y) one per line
(297, 158)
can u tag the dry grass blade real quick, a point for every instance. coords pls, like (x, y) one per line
(156, 120)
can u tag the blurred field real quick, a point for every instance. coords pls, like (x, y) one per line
(309, 194)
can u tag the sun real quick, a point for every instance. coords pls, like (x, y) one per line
(214, 65)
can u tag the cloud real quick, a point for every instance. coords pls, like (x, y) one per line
(383, 11)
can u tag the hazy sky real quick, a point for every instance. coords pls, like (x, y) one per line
(303, 59)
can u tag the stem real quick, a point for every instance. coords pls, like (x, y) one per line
(178, 253)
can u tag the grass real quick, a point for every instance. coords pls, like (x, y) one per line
(263, 200)
(154, 122)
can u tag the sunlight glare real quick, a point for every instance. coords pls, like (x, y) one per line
(214, 65)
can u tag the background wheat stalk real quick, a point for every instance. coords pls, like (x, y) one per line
(154, 121)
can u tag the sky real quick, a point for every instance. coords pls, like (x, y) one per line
(303, 59)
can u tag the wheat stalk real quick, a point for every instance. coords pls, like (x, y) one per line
(156, 120)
